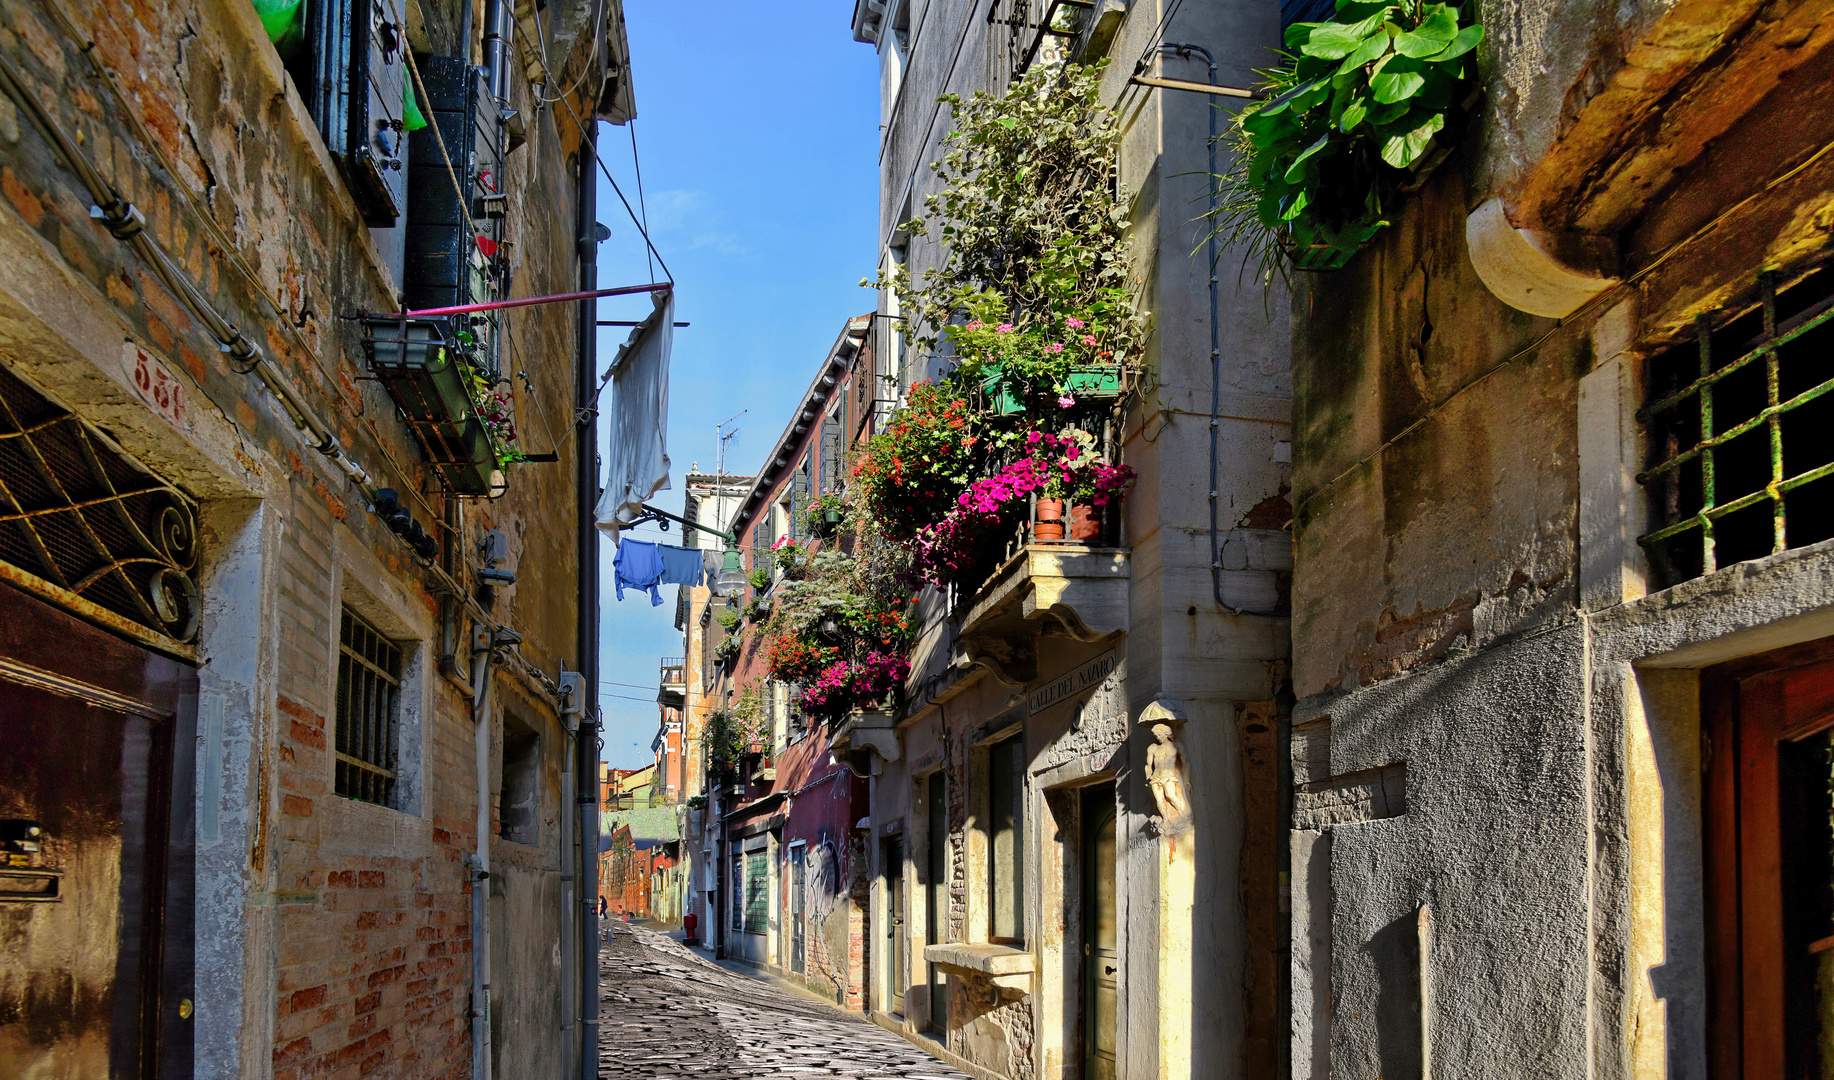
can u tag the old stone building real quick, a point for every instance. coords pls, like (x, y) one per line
(293, 592)
(1037, 911)
(1561, 603)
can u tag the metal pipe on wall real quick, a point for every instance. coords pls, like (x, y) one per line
(480, 860)
(496, 49)
(586, 429)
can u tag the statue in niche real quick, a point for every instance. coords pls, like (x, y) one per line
(1165, 775)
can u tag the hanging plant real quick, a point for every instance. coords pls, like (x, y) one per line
(1367, 104)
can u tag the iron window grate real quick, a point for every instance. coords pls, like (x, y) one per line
(369, 689)
(1741, 429)
(77, 512)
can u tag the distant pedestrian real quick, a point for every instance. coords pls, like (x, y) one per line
(601, 908)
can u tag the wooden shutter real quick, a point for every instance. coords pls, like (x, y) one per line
(832, 472)
(355, 75)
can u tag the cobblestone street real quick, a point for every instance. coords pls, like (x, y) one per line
(666, 1012)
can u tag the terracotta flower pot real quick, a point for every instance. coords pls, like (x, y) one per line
(1085, 523)
(1050, 520)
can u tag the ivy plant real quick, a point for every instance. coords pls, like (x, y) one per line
(1363, 106)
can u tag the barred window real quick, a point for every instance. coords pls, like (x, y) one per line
(368, 702)
(1739, 421)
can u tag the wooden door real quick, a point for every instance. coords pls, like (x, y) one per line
(94, 863)
(896, 943)
(1101, 937)
(799, 868)
(1770, 864)
(936, 899)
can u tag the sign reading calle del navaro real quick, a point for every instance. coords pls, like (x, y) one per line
(1087, 676)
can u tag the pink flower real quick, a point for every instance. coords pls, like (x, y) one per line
(1003, 328)
(1074, 324)
(975, 325)
(1089, 339)
(1054, 347)
(1064, 401)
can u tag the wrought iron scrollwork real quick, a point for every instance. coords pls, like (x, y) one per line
(78, 512)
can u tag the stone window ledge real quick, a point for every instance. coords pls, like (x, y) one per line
(1003, 965)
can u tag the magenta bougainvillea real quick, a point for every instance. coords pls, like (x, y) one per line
(1053, 467)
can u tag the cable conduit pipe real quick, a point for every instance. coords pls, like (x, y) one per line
(479, 862)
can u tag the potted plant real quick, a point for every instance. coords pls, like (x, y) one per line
(1368, 105)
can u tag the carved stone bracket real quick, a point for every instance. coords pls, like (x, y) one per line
(870, 730)
(1081, 590)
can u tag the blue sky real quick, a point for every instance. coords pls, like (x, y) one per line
(757, 128)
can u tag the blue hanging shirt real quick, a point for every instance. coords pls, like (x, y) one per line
(680, 565)
(638, 566)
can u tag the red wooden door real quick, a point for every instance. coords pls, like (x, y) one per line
(1770, 864)
(94, 977)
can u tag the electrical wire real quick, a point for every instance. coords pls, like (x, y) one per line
(667, 274)
(637, 164)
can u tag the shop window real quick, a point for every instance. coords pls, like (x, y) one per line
(519, 799)
(738, 891)
(1006, 840)
(368, 708)
(1741, 464)
(1770, 864)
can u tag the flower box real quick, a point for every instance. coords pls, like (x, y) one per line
(462, 456)
(419, 366)
(1094, 381)
(1006, 398)
(1003, 396)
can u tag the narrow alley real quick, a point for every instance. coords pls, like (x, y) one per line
(666, 1012)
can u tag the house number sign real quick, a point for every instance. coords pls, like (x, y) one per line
(1091, 674)
(158, 387)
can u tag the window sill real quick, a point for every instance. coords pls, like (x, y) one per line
(1002, 965)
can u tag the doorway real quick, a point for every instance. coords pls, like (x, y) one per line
(1769, 833)
(95, 849)
(896, 944)
(799, 870)
(936, 897)
(1101, 938)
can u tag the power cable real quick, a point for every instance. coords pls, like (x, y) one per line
(637, 164)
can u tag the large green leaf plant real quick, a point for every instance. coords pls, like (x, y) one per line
(1364, 105)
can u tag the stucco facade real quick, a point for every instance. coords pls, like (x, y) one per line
(1504, 814)
(1065, 648)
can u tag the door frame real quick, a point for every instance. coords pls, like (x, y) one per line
(1749, 708)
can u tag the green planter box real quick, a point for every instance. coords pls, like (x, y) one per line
(1003, 396)
(461, 455)
(419, 367)
(1095, 382)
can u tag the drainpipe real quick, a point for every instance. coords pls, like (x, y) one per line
(496, 49)
(479, 863)
(586, 459)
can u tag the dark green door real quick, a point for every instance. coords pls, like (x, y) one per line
(1101, 920)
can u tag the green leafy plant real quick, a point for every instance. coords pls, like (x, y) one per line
(1034, 227)
(729, 619)
(760, 577)
(1365, 105)
(824, 515)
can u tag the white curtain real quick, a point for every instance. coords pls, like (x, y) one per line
(637, 464)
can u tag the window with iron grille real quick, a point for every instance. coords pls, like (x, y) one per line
(757, 892)
(1739, 421)
(369, 697)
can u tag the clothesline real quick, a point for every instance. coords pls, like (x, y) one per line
(646, 566)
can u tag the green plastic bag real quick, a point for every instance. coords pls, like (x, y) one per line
(411, 116)
(285, 21)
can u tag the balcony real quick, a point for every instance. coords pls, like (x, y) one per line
(1080, 591)
(1003, 966)
(673, 680)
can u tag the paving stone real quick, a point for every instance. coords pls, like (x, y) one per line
(665, 1013)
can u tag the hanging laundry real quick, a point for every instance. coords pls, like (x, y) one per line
(712, 561)
(680, 565)
(638, 566)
